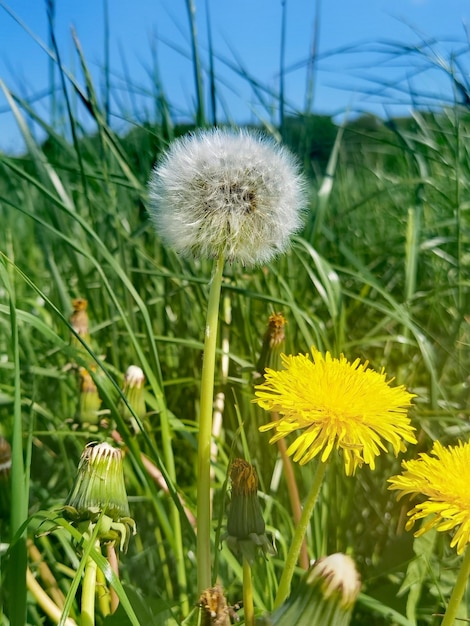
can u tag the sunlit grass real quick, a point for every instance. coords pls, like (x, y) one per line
(380, 272)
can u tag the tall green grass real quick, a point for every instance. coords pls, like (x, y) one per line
(381, 272)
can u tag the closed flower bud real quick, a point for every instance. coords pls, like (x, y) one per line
(99, 485)
(89, 402)
(326, 595)
(133, 389)
(273, 344)
(80, 324)
(245, 524)
(226, 193)
(79, 318)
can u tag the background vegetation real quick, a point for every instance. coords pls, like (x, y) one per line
(380, 271)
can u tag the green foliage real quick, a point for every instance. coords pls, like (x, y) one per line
(386, 278)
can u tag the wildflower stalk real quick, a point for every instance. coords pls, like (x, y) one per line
(175, 518)
(294, 498)
(458, 591)
(113, 562)
(89, 590)
(296, 545)
(104, 594)
(46, 603)
(270, 357)
(205, 430)
(45, 574)
(248, 594)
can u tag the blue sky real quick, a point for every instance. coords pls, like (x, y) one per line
(354, 38)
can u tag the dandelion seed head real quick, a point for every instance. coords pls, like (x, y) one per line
(232, 193)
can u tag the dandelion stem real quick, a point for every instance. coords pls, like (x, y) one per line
(205, 431)
(103, 593)
(114, 564)
(248, 606)
(296, 545)
(44, 601)
(458, 591)
(293, 492)
(88, 590)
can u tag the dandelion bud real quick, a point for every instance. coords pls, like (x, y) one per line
(99, 484)
(79, 317)
(326, 595)
(226, 193)
(273, 344)
(79, 320)
(133, 389)
(89, 401)
(99, 493)
(5, 469)
(245, 523)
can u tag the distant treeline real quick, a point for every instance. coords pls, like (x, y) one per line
(311, 137)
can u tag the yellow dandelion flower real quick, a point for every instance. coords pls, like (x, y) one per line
(442, 477)
(336, 404)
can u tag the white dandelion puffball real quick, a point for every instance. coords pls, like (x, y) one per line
(219, 192)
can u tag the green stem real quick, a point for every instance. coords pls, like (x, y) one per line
(458, 591)
(296, 545)
(104, 594)
(89, 591)
(114, 564)
(293, 492)
(248, 607)
(205, 431)
(175, 515)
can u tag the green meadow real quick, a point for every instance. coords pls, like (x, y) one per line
(379, 272)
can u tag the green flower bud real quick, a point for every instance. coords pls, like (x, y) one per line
(326, 595)
(245, 524)
(89, 402)
(133, 389)
(99, 485)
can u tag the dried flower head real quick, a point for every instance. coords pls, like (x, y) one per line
(222, 192)
(443, 478)
(273, 344)
(215, 608)
(79, 318)
(336, 404)
(325, 596)
(245, 524)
